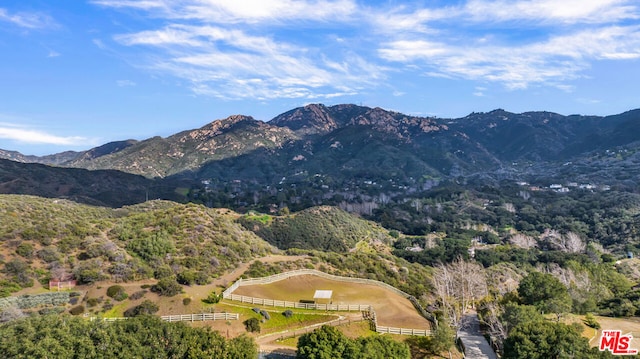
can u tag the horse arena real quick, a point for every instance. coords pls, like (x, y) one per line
(392, 308)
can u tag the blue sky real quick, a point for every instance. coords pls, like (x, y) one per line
(75, 74)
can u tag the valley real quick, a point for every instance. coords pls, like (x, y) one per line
(457, 213)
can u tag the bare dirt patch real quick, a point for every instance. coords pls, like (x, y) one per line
(392, 309)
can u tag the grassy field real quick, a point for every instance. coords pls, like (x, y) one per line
(278, 321)
(391, 308)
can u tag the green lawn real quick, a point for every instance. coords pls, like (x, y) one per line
(278, 321)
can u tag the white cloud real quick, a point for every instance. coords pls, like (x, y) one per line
(25, 135)
(480, 91)
(125, 83)
(253, 48)
(231, 63)
(509, 13)
(588, 101)
(570, 36)
(136, 4)
(99, 43)
(246, 11)
(565, 11)
(169, 36)
(27, 20)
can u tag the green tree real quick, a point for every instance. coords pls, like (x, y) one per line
(147, 307)
(19, 272)
(380, 347)
(252, 325)
(167, 287)
(242, 347)
(545, 292)
(443, 338)
(591, 321)
(515, 314)
(117, 292)
(546, 340)
(25, 249)
(325, 342)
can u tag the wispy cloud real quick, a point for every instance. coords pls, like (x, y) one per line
(246, 11)
(26, 135)
(99, 43)
(232, 63)
(27, 20)
(125, 83)
(557, 59)
(550, 11)
(480, 91)
(504, 13)
(569, 36)
(255, 48)
(135, 4)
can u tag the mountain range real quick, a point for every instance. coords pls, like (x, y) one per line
(336, 146)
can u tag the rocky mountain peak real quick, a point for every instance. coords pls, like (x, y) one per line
(400, 125)
(217, 127)
(310, 119)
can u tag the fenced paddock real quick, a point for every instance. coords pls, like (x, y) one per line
(399, 307)
(286, 275)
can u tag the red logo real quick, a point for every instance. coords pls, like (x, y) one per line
(617, 343)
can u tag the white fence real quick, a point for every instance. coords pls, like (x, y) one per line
(367, 309)
(297, 305)
(198, 317)
(403, 331)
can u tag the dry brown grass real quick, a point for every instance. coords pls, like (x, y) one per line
(626, 325)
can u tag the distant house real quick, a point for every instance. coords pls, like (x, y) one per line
(62, 283)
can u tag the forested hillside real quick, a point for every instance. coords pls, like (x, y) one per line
(322, 228)
(44, 239)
